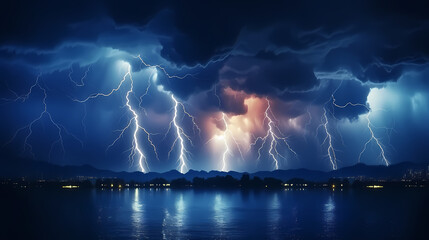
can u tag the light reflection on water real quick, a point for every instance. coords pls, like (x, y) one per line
(137, 214)
(180, 211)
(184, 214)
(274, 216)
(215, 214)
(174, 219)
(220, 216)
(329, 216)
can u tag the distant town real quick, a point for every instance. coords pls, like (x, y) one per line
(411, 179)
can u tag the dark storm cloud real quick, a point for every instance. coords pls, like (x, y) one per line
(382, 57)
(200, 79)
(268, 73)
(353, 92)
(375, 41)
(298, 52)
(44, 24)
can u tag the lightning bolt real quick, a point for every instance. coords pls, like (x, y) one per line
(162, 69)
(11, 91)
(60, 128)
(331, 150)
(227, 133)
(136, 147)
(194, 124)
(96, 95)
(180, 132)
(81, 83)
(370, 129)
(226, 152)
(153, 75)
(135, 150)
(274, 138)
(180, 135)
(216, 95)
(328, 135)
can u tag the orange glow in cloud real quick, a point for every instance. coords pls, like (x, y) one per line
(245, 128)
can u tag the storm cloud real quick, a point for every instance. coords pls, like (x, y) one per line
(221, 57)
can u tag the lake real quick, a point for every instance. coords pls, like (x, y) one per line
(214, 214)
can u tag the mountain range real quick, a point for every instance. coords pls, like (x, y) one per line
(44, 170)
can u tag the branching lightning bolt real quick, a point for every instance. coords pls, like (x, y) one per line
(96, 95)
(227, 134)
(216, 95)
(180, 132)
(331, 150)
(60, 128)
(370, 128)
(274, 138)
(226, 152)
(163, 69)
(81, 83)
(180, 135)
(136, 149)
(194, 124)
(328, 138)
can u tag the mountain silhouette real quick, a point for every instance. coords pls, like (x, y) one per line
(43, 170)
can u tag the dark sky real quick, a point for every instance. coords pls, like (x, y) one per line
(224, 85)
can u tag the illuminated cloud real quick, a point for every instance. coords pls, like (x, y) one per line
(231, 59)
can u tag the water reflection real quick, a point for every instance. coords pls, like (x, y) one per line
(274, 216)
(180, 211)
(137, 214)
(166, 222)
(190, 214)
(173, 224)
(329, 216)
(220, 216)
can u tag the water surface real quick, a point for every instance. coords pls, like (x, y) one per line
(214, 214)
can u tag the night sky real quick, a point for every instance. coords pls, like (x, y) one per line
(243, 86)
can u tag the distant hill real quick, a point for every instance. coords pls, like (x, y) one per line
(43, 170)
